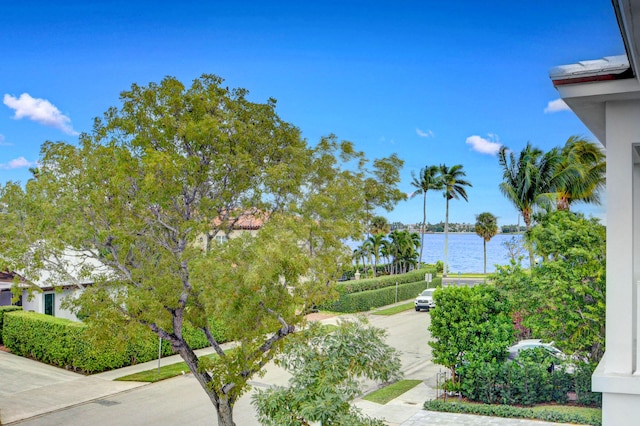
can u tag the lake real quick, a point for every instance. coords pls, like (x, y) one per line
(466, 253)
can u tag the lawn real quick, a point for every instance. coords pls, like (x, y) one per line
(395, 309)
(394, 390)
(166, 372)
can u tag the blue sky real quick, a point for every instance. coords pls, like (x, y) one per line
(434, 82)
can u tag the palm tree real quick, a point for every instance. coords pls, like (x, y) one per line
(486, 228)
(580, 174)
(527, 179)
(379, 225)
(453, 186)
(429, 179)
(375, 245)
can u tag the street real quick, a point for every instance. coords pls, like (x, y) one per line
(181, 400)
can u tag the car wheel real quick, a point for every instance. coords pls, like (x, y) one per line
(417, 309)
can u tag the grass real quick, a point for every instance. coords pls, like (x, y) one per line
(166, 372)
(571, 409)
(469, 275)
(395, 309)
(548, 412)
(394, 390)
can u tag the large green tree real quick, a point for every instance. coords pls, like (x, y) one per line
(429, 179)
(147, 192)
(564, 301)
(325, 367)
(486, 228)
(453, 186)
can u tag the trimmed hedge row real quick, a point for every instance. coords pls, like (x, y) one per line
(509, 411)
(365, 300)
(66, 344)
(355, 286)
(4, 309)
(528, 381)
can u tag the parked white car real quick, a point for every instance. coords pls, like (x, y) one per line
(425, 300)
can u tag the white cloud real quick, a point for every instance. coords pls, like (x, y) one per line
(17, 163)
(555, 106)
(39, 110)
(423, 134)
(3, 142)
(489, 146)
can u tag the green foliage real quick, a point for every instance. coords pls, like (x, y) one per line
(74, 346)
(366, 300)
(326, 368)
(3, 310)
(511, 412)
(149, 189)
(469, 324)
(563, 299)
(355, 286)
(525, 382)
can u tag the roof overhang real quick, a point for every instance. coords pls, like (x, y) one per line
(587, 86)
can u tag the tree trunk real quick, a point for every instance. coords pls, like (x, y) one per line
(485, 255)
(424, 220)
(446, 239)
(223, 404)
(225, 413)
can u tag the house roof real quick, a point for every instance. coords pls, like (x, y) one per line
(587, 86)
(248, 220)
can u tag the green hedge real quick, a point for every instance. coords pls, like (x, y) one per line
(365, 300)
(509, 411)
(527, 381)
(66, 344)
(4, 309)
(355, 286)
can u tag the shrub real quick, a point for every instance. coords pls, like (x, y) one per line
(355, 286)
(511, 412)
(4, 309)
(67, 344)
(365, 300)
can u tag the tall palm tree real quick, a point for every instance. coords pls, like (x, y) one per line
(580, 174)
(486, 228)
(429, 178)
(527, 179)
(453, 186)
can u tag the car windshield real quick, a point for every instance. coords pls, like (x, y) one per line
(428, 292)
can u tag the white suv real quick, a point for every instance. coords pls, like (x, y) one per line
(425, 300)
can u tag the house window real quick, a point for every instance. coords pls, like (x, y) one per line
(221, 239)
(49, 301)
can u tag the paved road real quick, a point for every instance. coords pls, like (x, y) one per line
(182, 401)
(44, 395)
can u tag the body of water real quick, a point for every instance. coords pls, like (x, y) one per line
(466, 251)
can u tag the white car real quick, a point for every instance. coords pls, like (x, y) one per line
(425, 300)
(560, 358)
(535, 343)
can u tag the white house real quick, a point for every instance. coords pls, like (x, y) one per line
(605, 95)
(58, 278)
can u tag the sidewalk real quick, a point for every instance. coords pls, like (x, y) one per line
(29, 389)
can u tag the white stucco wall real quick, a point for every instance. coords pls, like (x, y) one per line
(36, 304)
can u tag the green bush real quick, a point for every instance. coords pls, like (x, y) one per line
(355, 286)
(514, 383)
(4, 309)
(510, 412)
(365, 300)
(67, 344)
